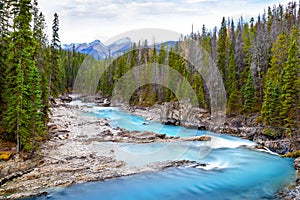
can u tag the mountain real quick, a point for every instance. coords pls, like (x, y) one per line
(98, 50)
(120, 46)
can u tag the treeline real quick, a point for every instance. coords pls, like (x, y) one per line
(169, 87)
(32, 69)
(259, 61)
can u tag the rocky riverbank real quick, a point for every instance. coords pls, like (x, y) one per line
(82, 148)
(240, 126)
(247, 128)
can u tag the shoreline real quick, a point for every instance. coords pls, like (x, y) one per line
(247, 129)
(292, 192)
(69, 157)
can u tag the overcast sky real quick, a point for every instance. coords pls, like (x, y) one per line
(87, 20)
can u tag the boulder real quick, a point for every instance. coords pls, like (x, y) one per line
(103, 102)
(173, 113)
(170, 121)
(65, 99)
(297, 164)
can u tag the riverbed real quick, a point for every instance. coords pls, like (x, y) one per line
(224, 167)
(75, 164)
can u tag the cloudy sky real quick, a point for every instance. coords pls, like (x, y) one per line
(87, 20)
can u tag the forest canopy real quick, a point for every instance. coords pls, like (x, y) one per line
(259, 61)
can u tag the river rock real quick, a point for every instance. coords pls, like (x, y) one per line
(297, 163)
(174, 113)
(65, 99)
(198, 138)
(101, 101)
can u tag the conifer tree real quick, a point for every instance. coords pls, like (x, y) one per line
(279, 57)
(233, 103)
(278, 62)
(56, 73)
(4, 41)
(22, 116)
(206, 40)
(198, 88)
(288, 81)
(42, 57)
(275, 107)
(247, 37)
(249, 95)
(266, 109)
(239, 44)
(222, 50)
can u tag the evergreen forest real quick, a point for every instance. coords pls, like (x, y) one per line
(259, 60)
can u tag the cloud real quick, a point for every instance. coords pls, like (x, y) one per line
(85, 20)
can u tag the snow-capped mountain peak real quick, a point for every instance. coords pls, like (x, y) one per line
(98, 50)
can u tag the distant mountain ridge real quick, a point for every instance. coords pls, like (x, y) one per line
(100, 51)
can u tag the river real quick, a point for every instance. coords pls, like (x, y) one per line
(227, 167)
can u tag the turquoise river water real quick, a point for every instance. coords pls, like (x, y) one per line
(233, 170)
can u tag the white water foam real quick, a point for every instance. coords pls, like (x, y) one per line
(218, 143)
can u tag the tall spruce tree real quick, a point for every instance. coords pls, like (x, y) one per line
(240, 57)
(275, 107)
(198, 88)
(4, 41)
(222, 50)
(279, 57)
(42, 55)
(278, 62)
(249, 95)
(288, 82)
(56, 73)
(233, 103)
(266, 107)
(22, 116)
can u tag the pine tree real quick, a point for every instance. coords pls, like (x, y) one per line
(4, 41)
(222, 50)
(288, 81)
(206, 40)
(56, 73)
(239, 53)
(247, 37)
(266, 109)
(233, 103)
(278, 62)
(42, 57)
(279, 57)
(249, 95)
(198, 88)
(22, 82)
(275, 107)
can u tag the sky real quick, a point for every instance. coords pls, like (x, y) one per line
(87, 20)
